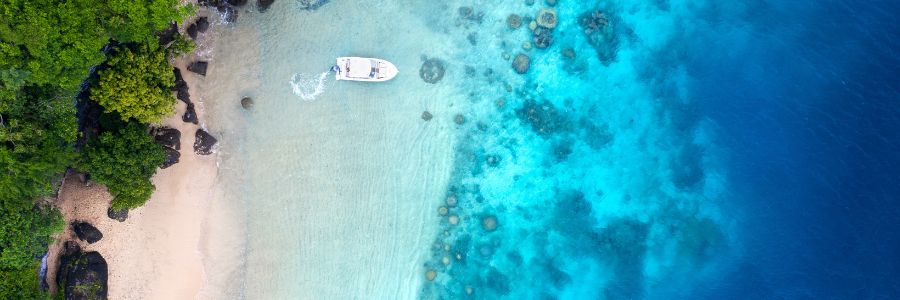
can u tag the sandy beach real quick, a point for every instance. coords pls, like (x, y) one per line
(154, 253)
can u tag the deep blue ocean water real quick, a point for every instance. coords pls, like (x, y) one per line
(689, 149)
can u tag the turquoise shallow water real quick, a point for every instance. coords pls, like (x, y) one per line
(590, 176)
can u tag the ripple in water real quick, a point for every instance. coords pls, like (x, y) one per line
(307, 86)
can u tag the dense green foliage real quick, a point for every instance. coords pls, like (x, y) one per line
(47, 48)
(124, 162)
(137, 85)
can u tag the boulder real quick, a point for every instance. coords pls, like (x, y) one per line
(204, 143)
(190, 115)
(192, 31)
(202, 24)
(167, 35)
(81, 275)
(432, 70)
(514, 21)
(521, 63)
(198, 67)
(247, 103)
(87, 232)
(426, 116)
(547, 18)
(181, 87)
(118, 215)
(311, 4)
(229, 12)
(263, 5)
(169, 137)
(172, 157)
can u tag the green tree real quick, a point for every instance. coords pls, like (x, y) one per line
(124, 162)
(137, 85)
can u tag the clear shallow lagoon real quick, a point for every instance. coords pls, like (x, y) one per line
(677, 153)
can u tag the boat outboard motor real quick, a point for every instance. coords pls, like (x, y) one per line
(335, 68)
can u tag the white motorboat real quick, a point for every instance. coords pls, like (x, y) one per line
(364, 69)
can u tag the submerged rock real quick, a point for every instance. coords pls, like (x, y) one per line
(514, 21)
(443, 210)
(431, 275)
(166, 136)
(547, 18)
(451, 201)
(489, 223)
(543, 117)
(426, 116)
(601, 35)
(81, 275)
(172, 157)
(543, 37)
(204, 143)
(311, 4)
(432, 70)
(87, 232)
(453, 219)
(264, 4)
(459, 119)
(229, 13)
(198, 67)
(190, 115)
(521, 63)
(118, 215)
(247, 103)
(568, 53)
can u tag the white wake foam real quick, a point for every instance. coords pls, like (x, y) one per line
(308, 86)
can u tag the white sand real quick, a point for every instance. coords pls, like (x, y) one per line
(154, 253)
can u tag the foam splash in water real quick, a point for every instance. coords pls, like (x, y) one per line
(308, 86)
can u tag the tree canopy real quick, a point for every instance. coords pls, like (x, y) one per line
(136, 85)
(124, 161)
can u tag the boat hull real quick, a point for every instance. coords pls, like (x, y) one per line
(364, 69)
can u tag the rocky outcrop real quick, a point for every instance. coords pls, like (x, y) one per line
(86, 232)
(198, 67)
(190, 114)
(201, 25)
(432, 70)
(81, 275)
(263, 5)
(172, 157)
(118, 215)
(204, 143)
(521, 63)
(169, 137)
(311, 4)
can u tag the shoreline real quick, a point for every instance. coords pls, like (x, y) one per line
(155, 253)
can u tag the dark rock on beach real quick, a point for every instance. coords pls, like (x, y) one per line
(118, 215)
(432, 70)
(198, 67)
(87, 232)
(172, 157)
(521, 63)
(181, 87)
(204, 143)
(192, 31)
(229, 12)
(264, 4)
(311, 4)
(237, 2)
(167, 35)
(81, 275)
(202, 24)
(169, 137)
(190, 115)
